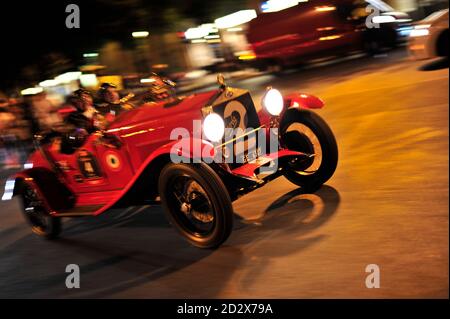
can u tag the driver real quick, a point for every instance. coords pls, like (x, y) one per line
(80, 123)
(85, 117)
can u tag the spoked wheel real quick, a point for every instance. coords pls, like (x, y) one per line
(198, 215)
(34, 211)
(306, 132)
(197, 203)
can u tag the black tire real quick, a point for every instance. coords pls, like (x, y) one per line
(442, 44)
(297, 141)
(371, 42)
(377, 41)
(275, 67)
(34, 212)
(207, 193)
(390, 37)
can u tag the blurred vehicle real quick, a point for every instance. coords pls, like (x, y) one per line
(429, 38)
(322, 28)
(137, 159)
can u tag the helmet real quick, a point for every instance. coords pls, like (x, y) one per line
(81, 99)
(106, 95)
(106, 85)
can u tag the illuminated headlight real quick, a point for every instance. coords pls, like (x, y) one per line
(420, 31)
(213, 127)
(273, 102)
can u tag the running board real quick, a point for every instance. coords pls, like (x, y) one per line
(88, 210)
(92, 210)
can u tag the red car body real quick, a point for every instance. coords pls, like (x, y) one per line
(145, 135)
(131, 163)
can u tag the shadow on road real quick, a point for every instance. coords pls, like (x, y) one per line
(290, 224)
(442, 63)
(135, 249)
(135, 216)
(295, 212)
(134, 253)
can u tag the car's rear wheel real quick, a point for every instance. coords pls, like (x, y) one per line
(197, 203)
(35, 213)
(306, 132)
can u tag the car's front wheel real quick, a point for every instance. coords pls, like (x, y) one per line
(197, 203)
(35, 213)
(306, 132)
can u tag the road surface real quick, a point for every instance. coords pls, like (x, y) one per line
(387, 204)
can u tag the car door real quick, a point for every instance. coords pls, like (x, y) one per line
(96, 167)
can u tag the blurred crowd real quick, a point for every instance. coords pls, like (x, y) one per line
(20, 119)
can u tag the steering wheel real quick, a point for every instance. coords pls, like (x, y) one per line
(72, 140)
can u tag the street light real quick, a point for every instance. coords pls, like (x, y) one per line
(196, 33)
(68, 77)
(140, 34)
(278, 5)
(235, 19)
(142, 50)
(32, 91)
(89, 80)
(90, 55)
(48, 83)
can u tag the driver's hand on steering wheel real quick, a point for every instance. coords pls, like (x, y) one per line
(100, 122)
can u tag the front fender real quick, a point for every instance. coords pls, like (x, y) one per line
(299, 101)
(56, 195)
(302, 100)
(144, 183)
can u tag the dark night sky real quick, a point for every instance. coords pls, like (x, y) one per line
(31, 29)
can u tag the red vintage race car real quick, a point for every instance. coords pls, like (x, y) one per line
(194, 154)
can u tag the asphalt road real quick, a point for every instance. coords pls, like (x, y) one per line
(387, 205)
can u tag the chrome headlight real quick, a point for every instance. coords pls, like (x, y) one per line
(213, 127)
(273, 102)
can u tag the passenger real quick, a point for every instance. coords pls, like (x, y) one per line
(85, 115)
(110, 101)
(80, 123)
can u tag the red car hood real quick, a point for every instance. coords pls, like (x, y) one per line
(191, 104)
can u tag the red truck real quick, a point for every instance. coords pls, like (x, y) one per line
(324, 27)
